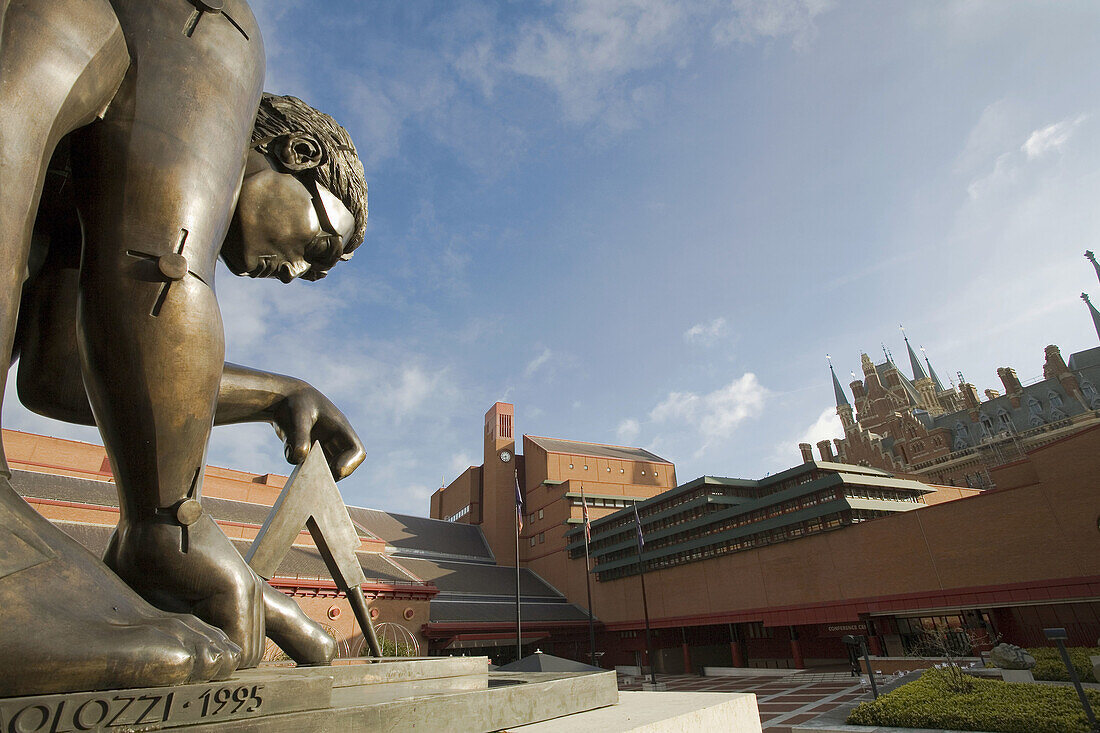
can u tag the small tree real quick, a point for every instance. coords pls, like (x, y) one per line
(951, 645)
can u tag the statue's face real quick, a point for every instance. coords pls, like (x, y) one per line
(281, 229)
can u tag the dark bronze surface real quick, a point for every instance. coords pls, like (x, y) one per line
(311, 500)
(131, 156)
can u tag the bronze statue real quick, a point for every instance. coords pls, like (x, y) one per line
(147, 109)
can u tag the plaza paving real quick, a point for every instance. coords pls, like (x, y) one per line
(783, 701)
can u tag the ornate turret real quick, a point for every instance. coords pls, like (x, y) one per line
(1092, 258)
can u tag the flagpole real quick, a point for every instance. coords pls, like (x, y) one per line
(645, 603)
(519, 524)
(588, 583)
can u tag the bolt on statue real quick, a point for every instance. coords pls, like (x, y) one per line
(131, 157)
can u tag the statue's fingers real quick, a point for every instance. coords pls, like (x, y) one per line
(344, 463)
(298, 437)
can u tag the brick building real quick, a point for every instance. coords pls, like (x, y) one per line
(420, 572)
(773, 572)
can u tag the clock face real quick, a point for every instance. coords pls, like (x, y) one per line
(505, 456)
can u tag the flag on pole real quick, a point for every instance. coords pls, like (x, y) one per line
(519, 505)
(638, 527)
(584, 513)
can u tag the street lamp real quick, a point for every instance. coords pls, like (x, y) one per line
(860, 642)
(1059, 636)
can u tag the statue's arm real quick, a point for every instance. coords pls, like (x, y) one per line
(49, 381)
(299, 412)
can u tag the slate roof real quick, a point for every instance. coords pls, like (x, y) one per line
(1043, 402)
(478, 578)
(104, 493)
(300, 562)
(597, 450)
(448, 611)
(419, 536)
(541, 662)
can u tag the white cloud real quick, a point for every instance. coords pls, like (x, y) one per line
(715, 415)
(538, 362)
(1009, 167)
(1051, 137)
(771, 19)
(826, 427)
(628, 430)
(706, 333)
(588, 46)
(589, 51)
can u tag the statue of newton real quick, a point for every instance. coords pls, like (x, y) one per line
(131, 156)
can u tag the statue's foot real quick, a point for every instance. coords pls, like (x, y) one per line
(67, 623)
(196, 569)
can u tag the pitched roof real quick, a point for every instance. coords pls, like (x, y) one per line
(300, 562)
(540, 662)
(422, 537)
(914, 362)
(597, 450)
(838, 391)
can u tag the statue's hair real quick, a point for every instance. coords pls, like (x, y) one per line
(340, 170)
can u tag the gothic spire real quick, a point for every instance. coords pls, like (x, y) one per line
(918, 370)
(932, 372)
(838, 391)
(1092, 258)
(1094, 312)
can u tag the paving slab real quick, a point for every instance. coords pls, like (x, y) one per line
(661, 712)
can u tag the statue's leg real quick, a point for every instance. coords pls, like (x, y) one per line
(295, 633)
(60, 63)
(157, 181)
(66, 621)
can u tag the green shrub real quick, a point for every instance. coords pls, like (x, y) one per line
(1049, 665)
(990, 705)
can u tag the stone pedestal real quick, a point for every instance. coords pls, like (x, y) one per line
(436, 693)
(1017, 675)
(671, 712)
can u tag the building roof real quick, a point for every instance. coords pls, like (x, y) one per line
(300, 562)
(459, 611)
(597, 450)
(422, 537)
(1084, 359)
(541, 662)
(914, 362)
(838, 391)
(478, 579)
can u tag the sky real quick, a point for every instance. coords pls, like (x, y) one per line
(646, 222)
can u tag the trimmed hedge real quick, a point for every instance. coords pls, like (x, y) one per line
(1049, 665)
(991, 705)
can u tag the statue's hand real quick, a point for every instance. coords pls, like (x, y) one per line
(306, 415)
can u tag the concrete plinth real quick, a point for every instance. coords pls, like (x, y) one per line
(438, 693)
(667, 712)
(1017, 675)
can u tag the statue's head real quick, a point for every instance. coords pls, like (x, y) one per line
(303, 201)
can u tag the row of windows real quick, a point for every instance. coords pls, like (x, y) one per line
(541, 538)
(863, 492)
(459, 514)
(653, 472)
(734, 522)
(759, 539)
(604, 502)
(533, 516)
(711, 490)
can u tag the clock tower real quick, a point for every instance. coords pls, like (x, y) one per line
(498, 482)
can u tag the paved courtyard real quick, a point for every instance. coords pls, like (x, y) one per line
(783, 701)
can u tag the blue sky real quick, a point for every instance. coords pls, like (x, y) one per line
(647, 222)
